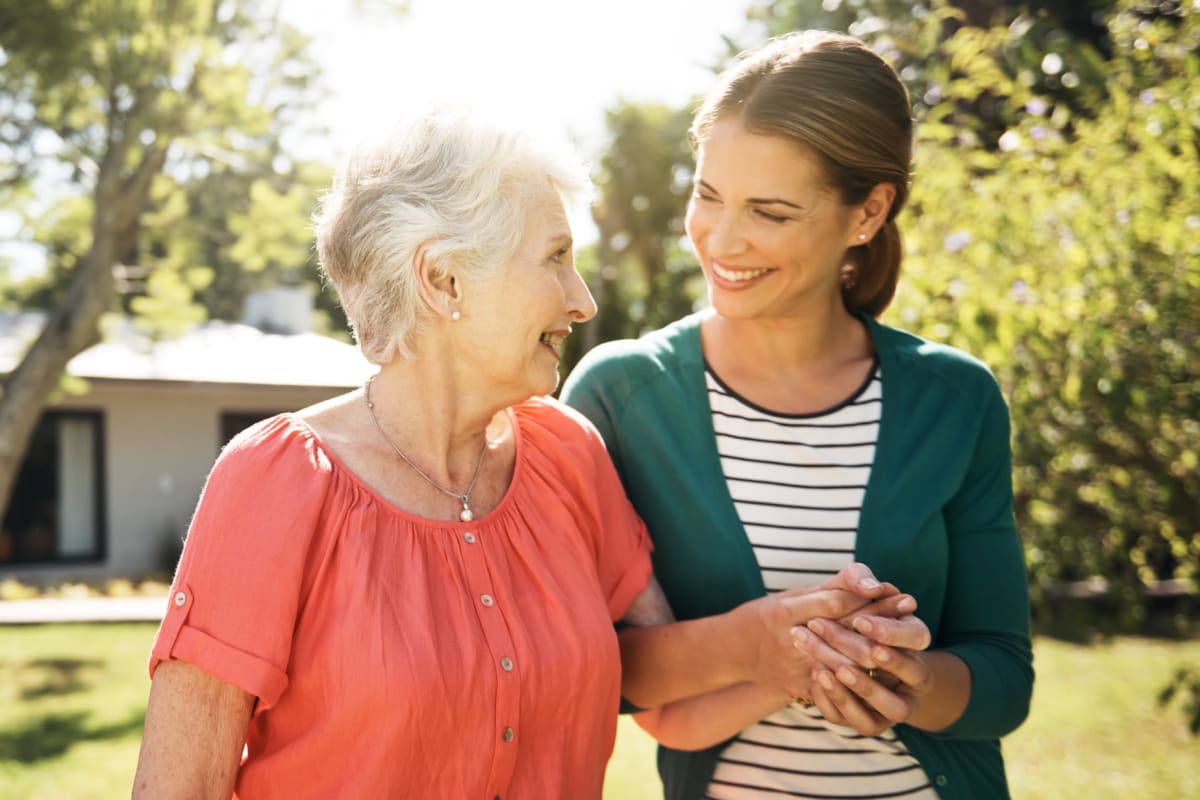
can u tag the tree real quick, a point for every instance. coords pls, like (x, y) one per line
(639, 273)
(115, 104)
(1068, 258)
(1056, 47)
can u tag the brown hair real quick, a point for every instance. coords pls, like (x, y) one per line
(834, 95)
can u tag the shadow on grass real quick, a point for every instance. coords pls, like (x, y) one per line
(53, 735)
(58, 676)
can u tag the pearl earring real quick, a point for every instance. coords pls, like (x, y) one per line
(455, 315)
(862, 237)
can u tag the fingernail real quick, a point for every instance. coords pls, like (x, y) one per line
(847, 675)
(869, 583)
(862, 625)
(799, 636)
(826, 680)
(906, 604)
(814, 625)
(881, 655)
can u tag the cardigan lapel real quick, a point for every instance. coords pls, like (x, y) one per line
(710, 477)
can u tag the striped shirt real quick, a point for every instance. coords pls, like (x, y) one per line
(797, 481)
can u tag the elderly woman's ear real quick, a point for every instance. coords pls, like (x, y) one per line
(440, 288)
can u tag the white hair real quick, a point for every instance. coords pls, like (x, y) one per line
(447, 179)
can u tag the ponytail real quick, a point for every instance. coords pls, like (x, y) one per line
(872, 272)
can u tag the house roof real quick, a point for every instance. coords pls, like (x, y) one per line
(213, 352)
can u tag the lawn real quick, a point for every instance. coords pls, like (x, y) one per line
(72, 699)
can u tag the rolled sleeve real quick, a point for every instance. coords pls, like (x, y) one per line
(236, 596)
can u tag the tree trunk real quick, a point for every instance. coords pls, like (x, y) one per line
(75, 323)
(72, 328)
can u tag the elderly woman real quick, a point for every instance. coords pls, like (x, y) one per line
(410, 590)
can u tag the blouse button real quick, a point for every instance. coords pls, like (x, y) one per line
(486, 599)
(180, 598)
(469, 537)
(506, 664)
(507, 734)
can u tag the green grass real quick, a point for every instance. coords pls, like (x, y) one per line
(72, 699)
(1096, 731)
(72, 704)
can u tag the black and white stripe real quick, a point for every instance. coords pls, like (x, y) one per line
(798, 482)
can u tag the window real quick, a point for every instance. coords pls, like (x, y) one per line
(234, 422)
(57, 508)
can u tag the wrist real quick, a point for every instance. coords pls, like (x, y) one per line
(740, 665)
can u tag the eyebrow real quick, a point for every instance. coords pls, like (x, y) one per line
(758, 201)
(560, 240)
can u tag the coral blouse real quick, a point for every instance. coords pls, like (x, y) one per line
(397, 656)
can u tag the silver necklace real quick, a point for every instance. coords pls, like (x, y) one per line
(464, 497)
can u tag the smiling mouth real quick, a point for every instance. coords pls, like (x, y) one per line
(554, 340)
(737, 275)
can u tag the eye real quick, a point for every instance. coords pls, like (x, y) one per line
(560, 254)
(769, 217)
(702, 197)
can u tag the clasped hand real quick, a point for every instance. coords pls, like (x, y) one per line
(851, 645)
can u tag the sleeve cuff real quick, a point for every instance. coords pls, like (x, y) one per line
(182, 642)
(630, 586)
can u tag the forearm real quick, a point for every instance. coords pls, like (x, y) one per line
(194, 732)
(706, 720)
(948, 693)
(664, 663)
(1001, 686)
(754, 642)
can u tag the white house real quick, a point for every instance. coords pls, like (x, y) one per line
(112, 475)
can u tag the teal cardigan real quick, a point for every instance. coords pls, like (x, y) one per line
(936, 521)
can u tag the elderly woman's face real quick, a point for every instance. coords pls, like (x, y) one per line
(519, 316)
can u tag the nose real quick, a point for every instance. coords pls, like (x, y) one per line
(580, 304)
(724, 237)
(714, 231)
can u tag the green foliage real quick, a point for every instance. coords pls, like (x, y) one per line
(97, 85)
(639, 272)
(1068, 258)
(1051, 49)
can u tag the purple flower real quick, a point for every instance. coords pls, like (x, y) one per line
(956, 241)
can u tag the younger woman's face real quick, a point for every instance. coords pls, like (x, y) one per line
(770, 233)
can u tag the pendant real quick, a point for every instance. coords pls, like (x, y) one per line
(465, 515)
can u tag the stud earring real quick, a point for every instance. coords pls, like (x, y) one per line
(862, 237)
(455, 315)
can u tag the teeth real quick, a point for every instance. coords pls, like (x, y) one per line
(738, 274)
(555, 340)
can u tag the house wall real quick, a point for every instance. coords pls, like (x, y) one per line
(160, 441)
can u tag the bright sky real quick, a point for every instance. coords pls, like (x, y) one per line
(556, 63)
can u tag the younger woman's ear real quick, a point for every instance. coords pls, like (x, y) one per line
(873, 213)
